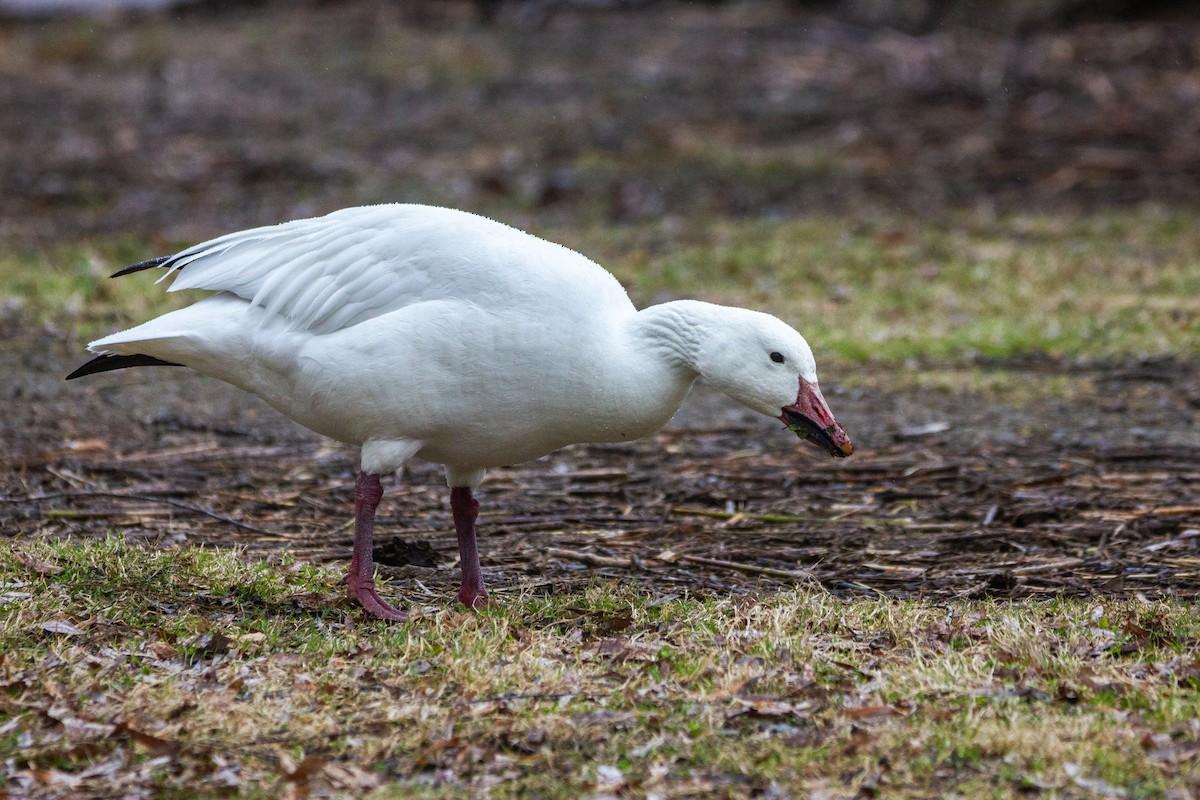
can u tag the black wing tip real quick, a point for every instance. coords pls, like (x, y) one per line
(141, 265)
(111, 361)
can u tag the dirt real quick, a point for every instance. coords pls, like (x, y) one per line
(183, 128)
(949, 493)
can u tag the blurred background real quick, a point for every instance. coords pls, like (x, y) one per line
(180, 120)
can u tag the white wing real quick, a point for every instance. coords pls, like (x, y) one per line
(329, 273)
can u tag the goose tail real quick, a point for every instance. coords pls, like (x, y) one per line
(147, 345)
(110, 361)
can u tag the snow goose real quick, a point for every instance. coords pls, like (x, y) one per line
(422, 332)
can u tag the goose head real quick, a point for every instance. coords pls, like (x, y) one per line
(766, 365)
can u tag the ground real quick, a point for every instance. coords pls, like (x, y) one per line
(1010, 490)
(990, 241)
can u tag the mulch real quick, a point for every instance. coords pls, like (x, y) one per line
(957, 505)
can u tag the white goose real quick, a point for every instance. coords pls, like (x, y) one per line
(415, 331)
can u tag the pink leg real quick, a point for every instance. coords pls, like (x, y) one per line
(465, 509)
(361, 579)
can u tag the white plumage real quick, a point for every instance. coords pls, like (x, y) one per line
(415, 331)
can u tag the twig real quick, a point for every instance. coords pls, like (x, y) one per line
(37, 498)
(591, 559)
(715, 514)
(1049, 566)
(1104, 537)
(668, 556)
(799, 575)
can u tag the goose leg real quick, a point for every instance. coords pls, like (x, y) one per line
(465, 509)
(361, 580)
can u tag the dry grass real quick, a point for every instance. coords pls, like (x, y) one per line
(196, 674)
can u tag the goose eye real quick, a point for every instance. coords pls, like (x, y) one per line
(777, 358)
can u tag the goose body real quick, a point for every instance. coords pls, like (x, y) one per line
(415, 331)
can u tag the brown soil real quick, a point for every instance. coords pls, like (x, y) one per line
(183, 129)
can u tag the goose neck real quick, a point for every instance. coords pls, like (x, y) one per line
(676, 330)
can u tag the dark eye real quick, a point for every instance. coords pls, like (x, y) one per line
(777, 358)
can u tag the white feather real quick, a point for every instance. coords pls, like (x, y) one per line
(420, 331)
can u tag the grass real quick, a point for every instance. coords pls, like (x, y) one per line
(894, 287)
(195, 673)
(68, 286)
(882, 287)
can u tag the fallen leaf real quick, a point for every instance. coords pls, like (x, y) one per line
(870, 712)
(303, 772)
(61, 627)
(162, 650)
(350, 778)
(54, 777)
(763, 707)
(37, 565)
(147, 741)
(607, 624)
(77, 728)
(627, 650)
